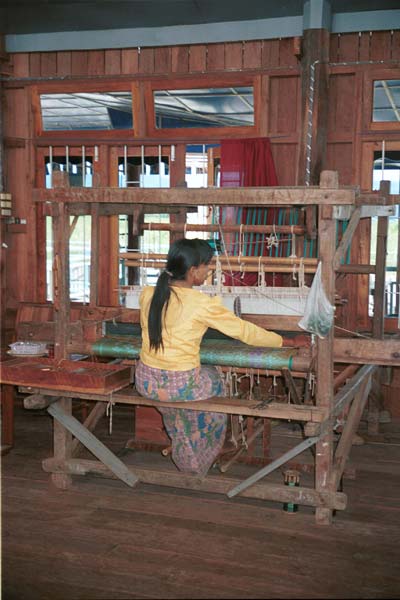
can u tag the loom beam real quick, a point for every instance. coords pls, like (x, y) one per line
(212, 352)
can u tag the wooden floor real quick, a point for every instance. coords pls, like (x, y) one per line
(102, 539)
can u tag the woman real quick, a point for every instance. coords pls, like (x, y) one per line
(174, 318)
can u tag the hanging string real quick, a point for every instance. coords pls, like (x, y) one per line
(242, 433)
(229, 383)
(294, 276)
(218, 274)
(251, 384)
(261, 274)
(272, 239)
(235, 384)
(301, 273)
(109, 413)
(233, 438)
(241, 241)
(241, 250)
(224, 250)
(293, 243)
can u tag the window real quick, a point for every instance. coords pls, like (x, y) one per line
(79, 258)
(149, 167)
(143, 171)
(386, 104)
(208, 107)
(80, 171)
(196, 177)
(86, 110)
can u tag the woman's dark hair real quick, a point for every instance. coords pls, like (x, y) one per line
(182, 255)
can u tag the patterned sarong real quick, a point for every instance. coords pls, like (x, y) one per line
(197, 436)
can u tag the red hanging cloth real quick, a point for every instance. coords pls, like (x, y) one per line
(247, 163)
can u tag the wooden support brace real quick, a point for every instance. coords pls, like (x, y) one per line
(272, 466)
(94, 445)
(212, 483)
(291, 386)
(346, 238)
(90, 423)
(342, 399)
(345, 443)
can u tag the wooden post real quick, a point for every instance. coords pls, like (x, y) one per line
(314, 83)
(380, 270)
(62, 438)
(62, 443)
(3, 286)
(61, 229)
(314, 92)
(324, 448)
(7, 417)
(177, 179)
(378, 319)
(94, 255)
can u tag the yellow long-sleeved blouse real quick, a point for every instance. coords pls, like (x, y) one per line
(189, 315)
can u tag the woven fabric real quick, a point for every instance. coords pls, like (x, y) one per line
(197, 436)
(212, 352)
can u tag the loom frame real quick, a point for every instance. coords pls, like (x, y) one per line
(318, 420)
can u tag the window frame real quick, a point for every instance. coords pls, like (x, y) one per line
(84, 134)
(201, 133)
(370, 78)
(367, 161)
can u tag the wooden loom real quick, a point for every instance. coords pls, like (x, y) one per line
(317, 418)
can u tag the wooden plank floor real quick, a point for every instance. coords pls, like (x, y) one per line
(102, 539)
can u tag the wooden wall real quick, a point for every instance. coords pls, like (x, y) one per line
(277, 64)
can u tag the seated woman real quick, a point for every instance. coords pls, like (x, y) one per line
(174, 318)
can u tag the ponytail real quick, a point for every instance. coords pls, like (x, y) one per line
(158, 306)
(182, 255)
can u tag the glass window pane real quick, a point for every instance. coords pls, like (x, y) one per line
(49, 258)
(86, 110)
(80, 239)
(151, 171)
(386, 105)
(77, 175)
(79, 258)
(208, 107)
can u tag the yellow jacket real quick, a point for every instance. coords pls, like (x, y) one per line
(189, 315)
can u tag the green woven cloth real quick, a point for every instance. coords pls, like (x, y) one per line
(231, 353)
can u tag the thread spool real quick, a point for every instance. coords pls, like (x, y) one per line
(291, 478)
